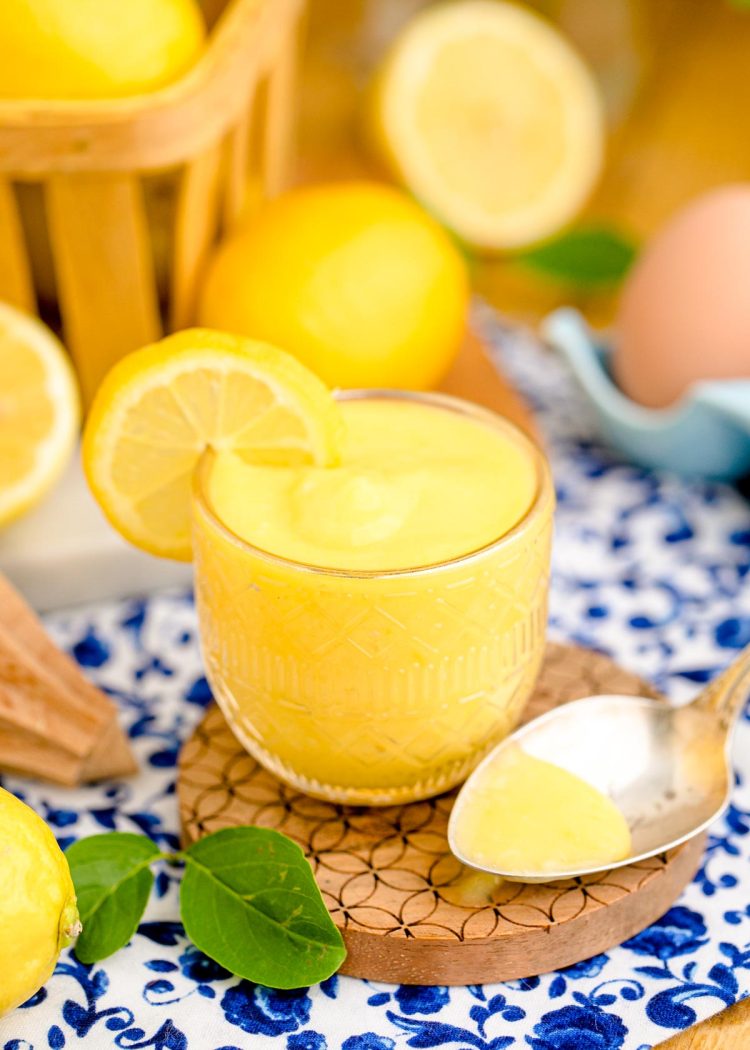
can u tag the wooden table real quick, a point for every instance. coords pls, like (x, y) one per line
(729, 1030)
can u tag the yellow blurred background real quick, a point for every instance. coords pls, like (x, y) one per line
(674, 75)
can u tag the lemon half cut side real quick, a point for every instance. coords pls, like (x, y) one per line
(39, 411)
(492, 120)
(160, 408)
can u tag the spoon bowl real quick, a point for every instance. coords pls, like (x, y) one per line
(666, 768)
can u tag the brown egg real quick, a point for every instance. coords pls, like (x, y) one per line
(685, 309)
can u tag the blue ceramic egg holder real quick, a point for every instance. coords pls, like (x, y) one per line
(706, 434)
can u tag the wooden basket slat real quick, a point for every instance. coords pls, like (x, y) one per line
(212, 10)
(105, 275)
(237, 169)
(195, 229)
(16, 285)
(279, 117)
(98, 162)
(155, 131)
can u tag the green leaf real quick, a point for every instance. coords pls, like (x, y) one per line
(588, 256)
(249, 900)
(112, 880)
(743, 5)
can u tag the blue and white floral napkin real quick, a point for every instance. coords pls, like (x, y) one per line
(650, 569)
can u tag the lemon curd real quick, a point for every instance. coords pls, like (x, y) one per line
(373, 627)
(414, 486)
(522, 815)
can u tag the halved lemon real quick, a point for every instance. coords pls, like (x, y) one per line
(39, 411)
(491, 119)
(160, 408)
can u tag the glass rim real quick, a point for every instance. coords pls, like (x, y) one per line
(537, 507)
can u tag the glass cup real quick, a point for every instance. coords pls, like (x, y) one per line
(368, 687)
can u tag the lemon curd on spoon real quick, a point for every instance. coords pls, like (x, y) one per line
(521, 816)
(372, 627)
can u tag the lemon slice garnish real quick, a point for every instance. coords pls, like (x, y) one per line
(160, 408)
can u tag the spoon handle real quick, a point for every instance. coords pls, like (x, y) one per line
(726, 695)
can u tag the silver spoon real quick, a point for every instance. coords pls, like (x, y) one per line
(666, 768)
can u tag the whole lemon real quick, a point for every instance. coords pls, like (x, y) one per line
(354, 279)
(93, 49)
(38, 914)
(89, 49)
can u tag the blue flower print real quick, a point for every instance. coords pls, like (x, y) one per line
(419, 999)
(199, 693)
(91, 650)
(578, 1028)
(56, 1038)
(368, 1041)
(164, 933)
(679, 932)
(199, 968)
(306, 1041)
(733, 633)
(648, 569)
(586, 967)
(264, 1011)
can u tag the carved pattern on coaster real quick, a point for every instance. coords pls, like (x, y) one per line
(388, 873)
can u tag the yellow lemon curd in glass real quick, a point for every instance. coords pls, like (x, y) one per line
(372, 628)
(413, 486)
(523, 815)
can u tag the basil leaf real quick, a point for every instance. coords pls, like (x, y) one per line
(112, 881)
(249, 901)
(587, 256)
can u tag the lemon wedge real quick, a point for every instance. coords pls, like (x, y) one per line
(491, 119)
(160, 408)
(39, 411)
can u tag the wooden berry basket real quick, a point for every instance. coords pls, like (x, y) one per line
(94, 167)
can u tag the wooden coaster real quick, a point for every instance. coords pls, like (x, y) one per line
(409, 911)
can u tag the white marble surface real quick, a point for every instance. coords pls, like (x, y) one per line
(65, 552)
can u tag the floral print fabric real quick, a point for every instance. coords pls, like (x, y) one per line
(647, 568)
